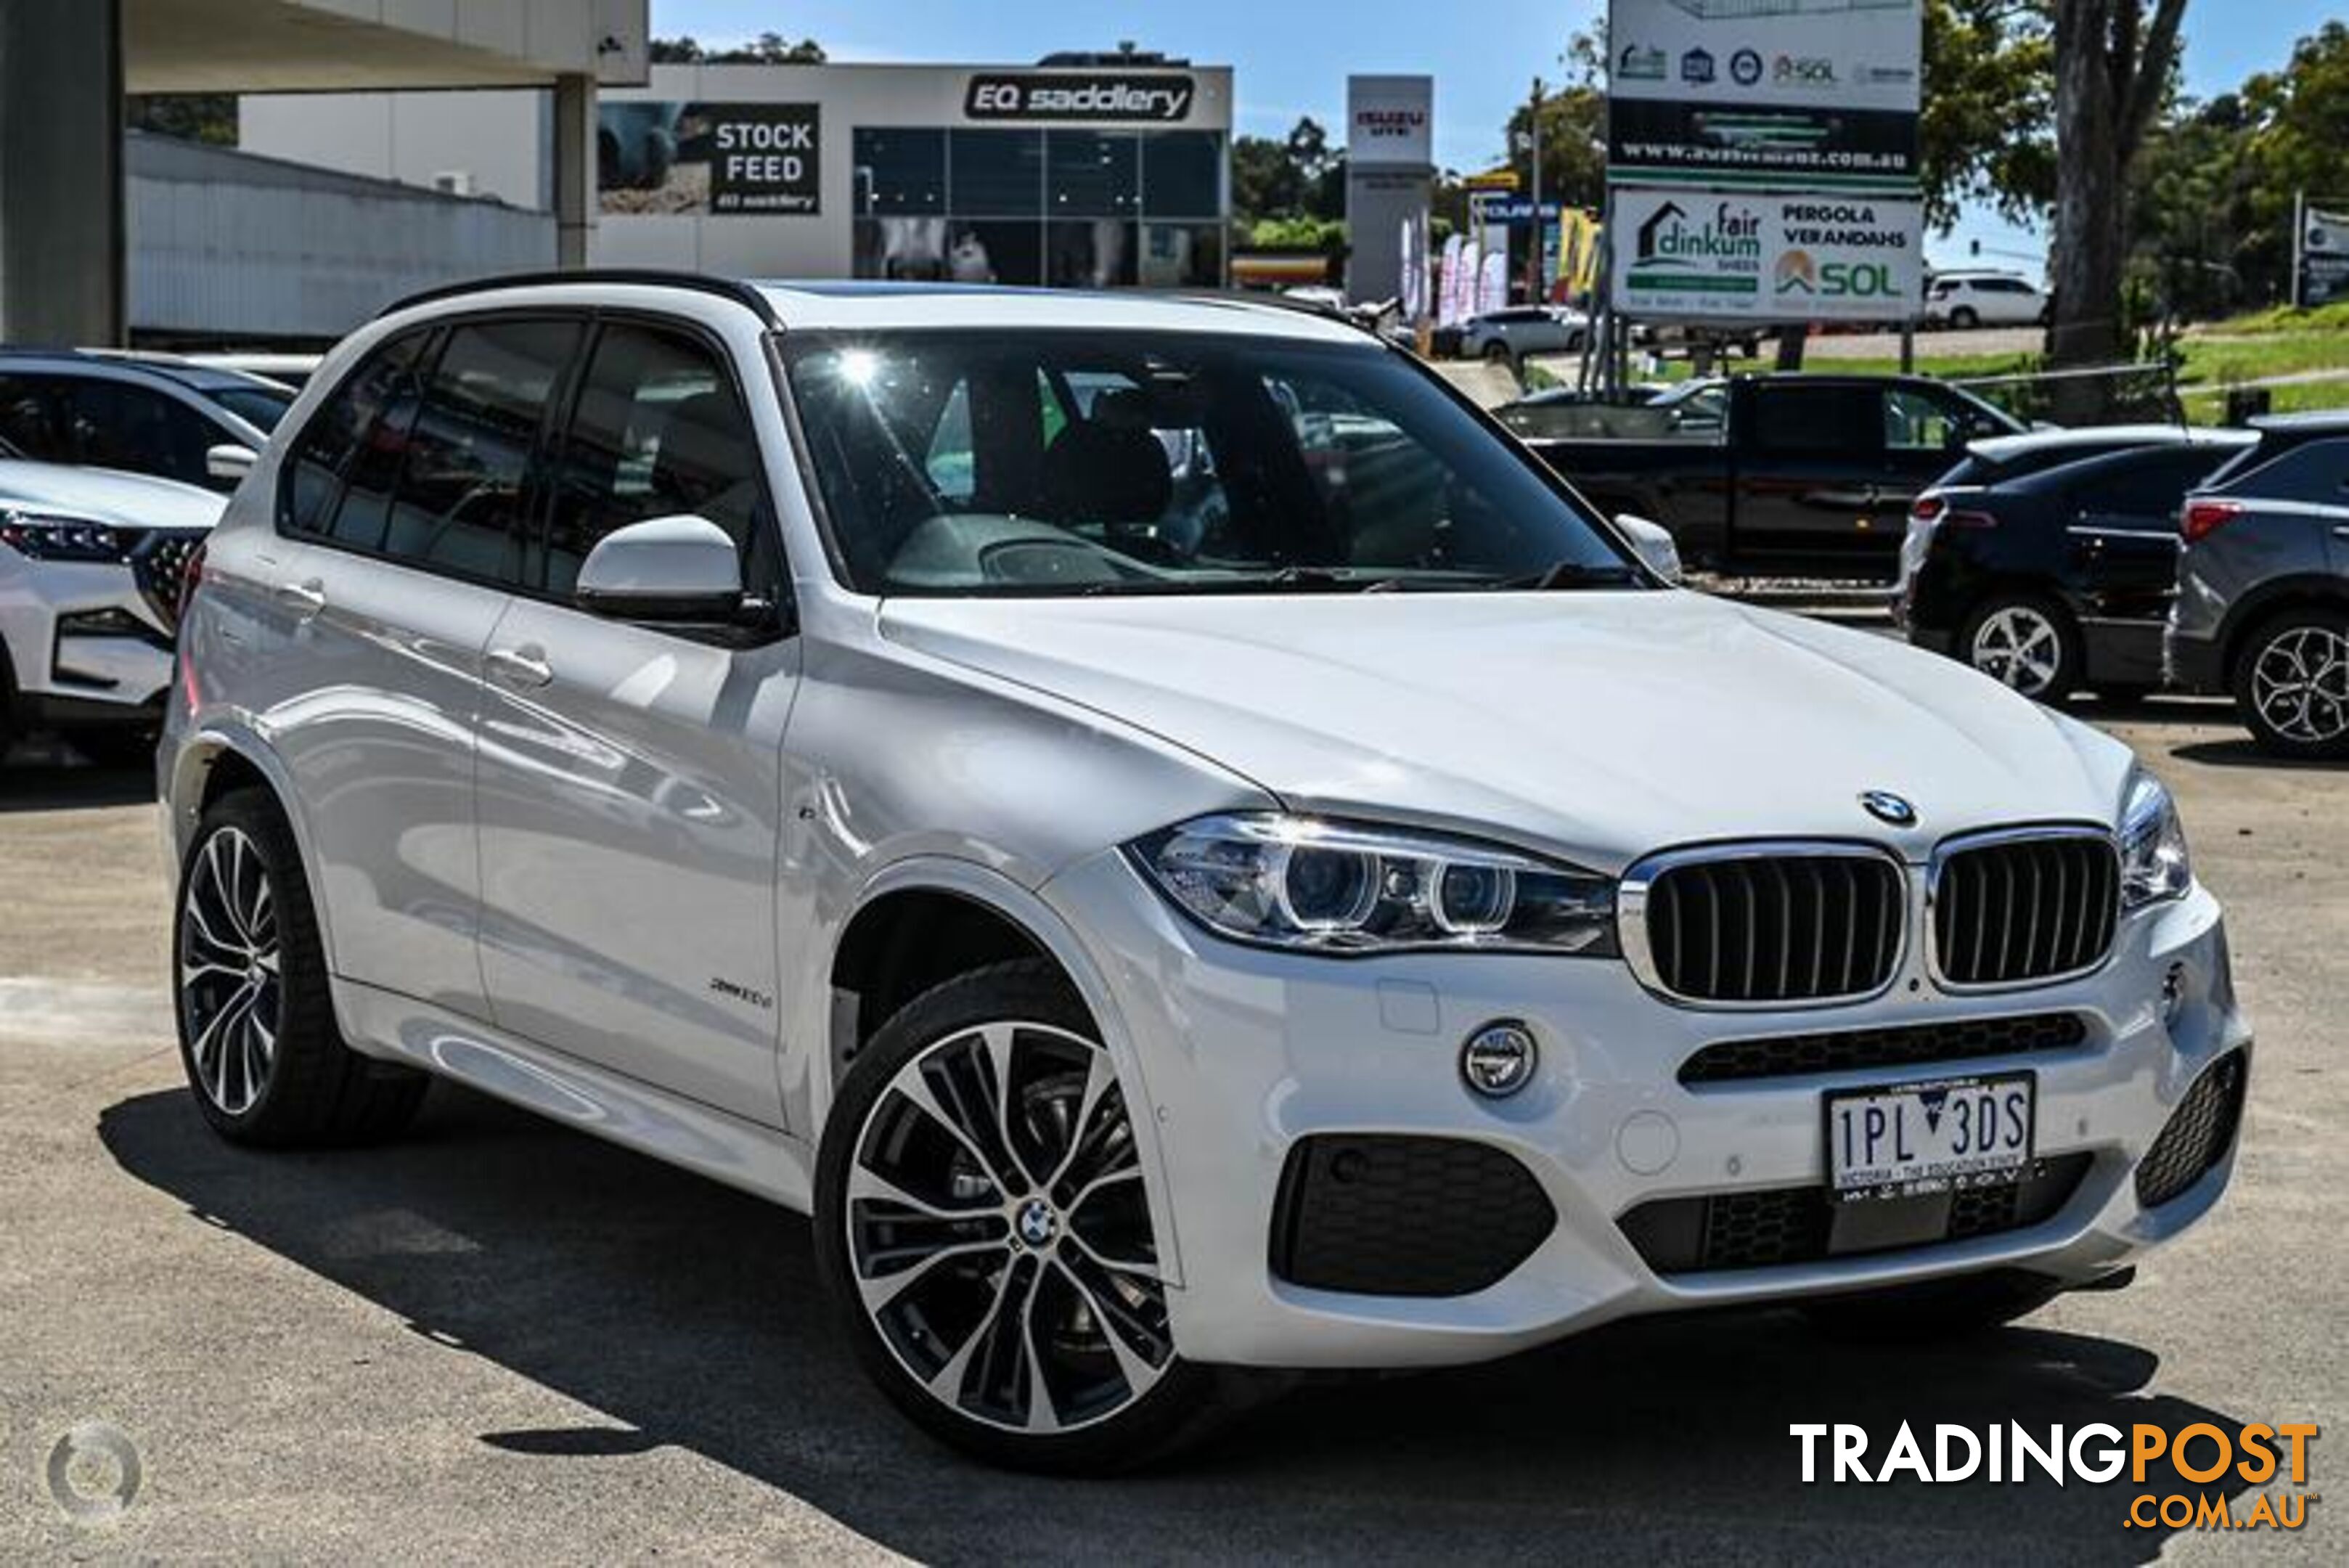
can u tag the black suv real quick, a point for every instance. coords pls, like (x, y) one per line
(2047, 561)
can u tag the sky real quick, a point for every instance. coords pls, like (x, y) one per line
(1291, 58)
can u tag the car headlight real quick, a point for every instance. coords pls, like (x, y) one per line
(1348, 889)
(2153, 862)
(40, 538)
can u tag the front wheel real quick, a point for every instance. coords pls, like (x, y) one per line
(983, 1231)
(1965, 319)
(2291, 684)
(2026, 642)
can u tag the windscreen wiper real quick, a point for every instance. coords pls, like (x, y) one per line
(1571, 575)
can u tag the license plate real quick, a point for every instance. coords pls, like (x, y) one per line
(1945, 1136)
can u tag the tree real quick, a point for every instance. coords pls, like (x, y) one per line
(766, 50)
(209, 117)
(2116, 67)
(1986, 132)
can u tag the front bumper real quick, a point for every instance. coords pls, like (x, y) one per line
(84, 646)
(1242, 1054)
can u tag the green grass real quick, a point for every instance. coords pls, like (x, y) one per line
(2209, 407)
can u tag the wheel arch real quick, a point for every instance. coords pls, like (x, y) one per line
(2301, 590)
(215, 761)
(978, 894)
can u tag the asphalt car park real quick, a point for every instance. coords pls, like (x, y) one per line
(497, 1329)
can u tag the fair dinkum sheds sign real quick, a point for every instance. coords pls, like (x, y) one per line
(1157, 96)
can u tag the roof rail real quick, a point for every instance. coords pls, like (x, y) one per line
(735, 289)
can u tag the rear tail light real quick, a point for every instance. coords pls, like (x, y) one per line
(1926, 508)
(2203, 518)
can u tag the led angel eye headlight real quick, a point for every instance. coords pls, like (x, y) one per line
(2155, 865)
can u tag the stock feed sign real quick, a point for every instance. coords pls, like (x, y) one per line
(1737, 255)
(746, 159)
(1765, 94)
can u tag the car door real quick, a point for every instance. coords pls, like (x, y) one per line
(1810, 462)
(402, 509)
(629, 780)
(2121, 539)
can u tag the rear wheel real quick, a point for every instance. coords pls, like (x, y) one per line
(1496, 353)
(257, 1031)
(983, 1231)
(2024, 641)
(2291, 684)
(1933, 1309)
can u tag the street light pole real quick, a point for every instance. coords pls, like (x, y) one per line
(1540, 285)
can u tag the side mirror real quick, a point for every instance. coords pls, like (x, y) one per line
(229, 461)
(681, 568)
(1657, 549)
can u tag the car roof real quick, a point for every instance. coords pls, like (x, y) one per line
(2029, 444)
(2314, 422)
(833, 304)
(162, 367)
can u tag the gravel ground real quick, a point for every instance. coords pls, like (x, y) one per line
(502, 1335)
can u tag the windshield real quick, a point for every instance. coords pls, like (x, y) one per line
(967, 463)
(259, 407)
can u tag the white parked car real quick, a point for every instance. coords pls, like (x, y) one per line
(778, 728)
(1511, 335)
(90, 570)
(1965, 300)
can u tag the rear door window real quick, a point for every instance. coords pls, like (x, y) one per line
(2316, 473)
(459, 507)
(2143, 490)
(346, 424)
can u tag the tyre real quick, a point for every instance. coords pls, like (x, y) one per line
(1496, 353)
(982, 1232)
(257, 1024)
(1964, 318)
(1933, 1309)
(2291, 684)
(2025, 641)
(122, 749)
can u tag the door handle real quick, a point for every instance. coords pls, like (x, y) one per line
(522, 668)
(304, 599)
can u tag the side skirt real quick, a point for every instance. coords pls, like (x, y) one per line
(761, 1160)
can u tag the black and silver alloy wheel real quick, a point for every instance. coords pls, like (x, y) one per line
(999, 1234)
(2297, 686)
(254, 1006)
(983, 1230)
(230, 998)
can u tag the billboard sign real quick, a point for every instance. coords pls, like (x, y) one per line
(1764, 92)
(1390, 122)
(662, 156)
(2323, 256)
(1726, 256)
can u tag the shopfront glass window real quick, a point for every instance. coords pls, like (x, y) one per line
(1091, 175)
(1183, 174)
(1181, 256)
(900, 172)
(1093, 253)
(996, 174)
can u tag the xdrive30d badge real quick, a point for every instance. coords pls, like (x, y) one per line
(1216, 860)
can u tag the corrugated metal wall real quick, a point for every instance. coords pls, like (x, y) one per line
(229, 246)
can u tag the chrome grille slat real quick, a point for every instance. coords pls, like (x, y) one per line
(2006, 909)
(1766, 926)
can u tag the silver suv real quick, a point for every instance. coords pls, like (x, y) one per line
(2262, 606)
(1182, 846)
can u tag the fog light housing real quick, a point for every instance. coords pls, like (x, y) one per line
(1499, 1059)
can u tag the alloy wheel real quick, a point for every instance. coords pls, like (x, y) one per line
(2300, 684)
(2018, 646)
(999, 1234)
(231, 990)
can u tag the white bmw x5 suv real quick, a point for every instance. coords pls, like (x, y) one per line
(1186, 851)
